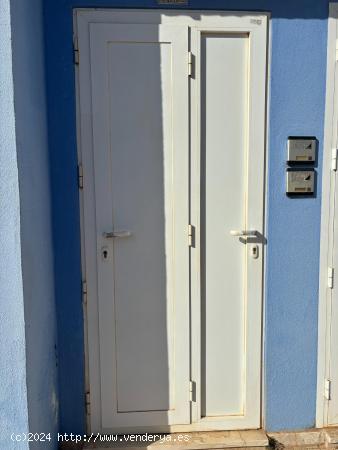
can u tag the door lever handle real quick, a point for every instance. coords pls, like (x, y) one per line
(117, 234)
(245, 233)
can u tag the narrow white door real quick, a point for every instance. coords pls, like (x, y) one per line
(329, 395)
(331, 382)
(228, 92)
(331, 378)
(139, 89)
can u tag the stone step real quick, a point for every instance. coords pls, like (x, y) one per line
(311, 439)
(331, 435)
(307, 438)
(249, 439)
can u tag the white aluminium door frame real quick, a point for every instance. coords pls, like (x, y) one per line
(329, 215)
(255, 26)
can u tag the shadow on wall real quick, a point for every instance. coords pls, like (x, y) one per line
(35, 209)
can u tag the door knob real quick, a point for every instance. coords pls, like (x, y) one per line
(245, 233)
(117, 234)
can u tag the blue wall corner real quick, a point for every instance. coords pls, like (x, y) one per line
(65, 214)
(35, 213)
(297, 93)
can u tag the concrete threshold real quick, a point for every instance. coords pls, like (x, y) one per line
(306, 439)
(312, 438)
(237, 440)
(249, 439)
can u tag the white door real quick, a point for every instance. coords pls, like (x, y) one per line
(327, 384)
(170, 139)
(139, 88)
(331, 383)
(327, 376)
(228, 92)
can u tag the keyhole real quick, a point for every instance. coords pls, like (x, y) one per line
(254, 251)
(104, 253)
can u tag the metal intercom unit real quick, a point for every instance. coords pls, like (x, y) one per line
(301, 150)
(300, 181)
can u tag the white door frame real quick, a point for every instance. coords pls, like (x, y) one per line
(91, 15)
(327, 216)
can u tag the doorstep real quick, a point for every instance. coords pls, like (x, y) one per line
(331, 436)
(306, 439)
(316, 438)
(249, 439)
(312, 438)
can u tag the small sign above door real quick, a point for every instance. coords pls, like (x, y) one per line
(172, 2)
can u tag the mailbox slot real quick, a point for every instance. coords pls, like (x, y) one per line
(301, 150)
(300, 182)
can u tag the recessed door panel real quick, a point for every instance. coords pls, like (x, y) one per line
(141, 108)
(224, 123)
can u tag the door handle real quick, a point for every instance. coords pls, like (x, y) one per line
(245, 233)
(117, 234)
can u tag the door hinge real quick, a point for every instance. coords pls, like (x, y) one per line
(192, 391)
(87, 401)
(80, 176)
(334, 159)
(330, 277)
(190, 64)
(76, 51)
(327, 389)
(191, 235)
(84, 292)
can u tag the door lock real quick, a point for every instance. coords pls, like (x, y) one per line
(104, 253)
(254, 251)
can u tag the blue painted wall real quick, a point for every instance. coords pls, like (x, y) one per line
(28, 375)
(35, 212)
(297, 91)
(297, 108)
(13, 392)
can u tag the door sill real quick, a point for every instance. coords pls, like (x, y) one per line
(316, 438)
(190, 441)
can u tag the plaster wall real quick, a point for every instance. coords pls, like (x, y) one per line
(35, 212)
(13, 391)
